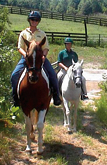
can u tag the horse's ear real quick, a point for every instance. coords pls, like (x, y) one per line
(73, 63)
(42, 42)
(26, 41)
(82, 62)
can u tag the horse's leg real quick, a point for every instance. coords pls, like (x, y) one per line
(28, 130)
(34, 118)
(66, 105)
(75, 116)
(65, 117)
(40, 126)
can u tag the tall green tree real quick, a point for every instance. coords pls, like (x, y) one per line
(96, 6)
(62, 6)
(53, 5)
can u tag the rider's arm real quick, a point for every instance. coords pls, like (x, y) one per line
(60, 61)
(63, 66)
(22, 52)
(45, 52)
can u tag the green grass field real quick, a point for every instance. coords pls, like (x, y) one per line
(19, 22)
(89, 54)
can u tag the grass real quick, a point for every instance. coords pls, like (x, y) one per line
(89, 54)
(19, 22)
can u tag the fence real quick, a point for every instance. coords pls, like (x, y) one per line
(59, 16)
(61, 35)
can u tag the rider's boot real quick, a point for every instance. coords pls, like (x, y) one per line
(84, 97)
(16, 100)
(56, 99)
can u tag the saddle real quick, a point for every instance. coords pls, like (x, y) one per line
(60, 80)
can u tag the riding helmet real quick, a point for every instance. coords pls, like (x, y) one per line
(68, 40)
(34, 14)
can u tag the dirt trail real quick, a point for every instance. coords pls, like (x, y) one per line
(90, 147)
(93, 78)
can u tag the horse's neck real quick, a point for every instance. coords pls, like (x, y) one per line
(70, 74)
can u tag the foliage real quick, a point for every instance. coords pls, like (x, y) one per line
(8, 55)
(102, 108)
(101, 104)
(62, 6)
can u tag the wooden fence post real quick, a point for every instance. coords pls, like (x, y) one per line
(11, 10)
(62, 16)
(52, 37)
(20, 11)
(51, 15)
(99, 40)
(85, 32)
(100, 22)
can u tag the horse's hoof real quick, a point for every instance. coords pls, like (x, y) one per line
(65, 125)
(28, 149)
(74, 130)
(69, 130)
(32, 137)
(39, 153)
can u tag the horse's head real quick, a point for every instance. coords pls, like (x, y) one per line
(34, 59)
(77, 73)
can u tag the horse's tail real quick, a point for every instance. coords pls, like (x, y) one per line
(34, 117)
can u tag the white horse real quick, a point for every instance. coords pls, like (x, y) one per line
(70, 93)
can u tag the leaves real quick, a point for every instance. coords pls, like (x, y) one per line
(8, 54)
(63, 6)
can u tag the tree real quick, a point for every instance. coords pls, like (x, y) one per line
(62, 6)
(86, 8)
(8, 42)
(53, 5)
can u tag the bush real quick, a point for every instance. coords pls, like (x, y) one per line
(8, 59)
(102, 108)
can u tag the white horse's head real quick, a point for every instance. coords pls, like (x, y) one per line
(75, 73)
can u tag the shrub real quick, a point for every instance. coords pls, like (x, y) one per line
(102, 108)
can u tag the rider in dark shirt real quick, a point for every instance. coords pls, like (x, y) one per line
(65, 58)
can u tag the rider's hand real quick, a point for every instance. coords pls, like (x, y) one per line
(43, 58)
(66, 68)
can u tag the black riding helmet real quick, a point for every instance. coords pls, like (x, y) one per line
(34, 15)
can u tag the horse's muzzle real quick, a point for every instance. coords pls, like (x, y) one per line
(33, 79)
(78, 85)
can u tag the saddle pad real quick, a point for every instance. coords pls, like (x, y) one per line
(60, 83)
(20, 79)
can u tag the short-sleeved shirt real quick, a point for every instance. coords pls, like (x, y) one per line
(65, 57)
(38, 35)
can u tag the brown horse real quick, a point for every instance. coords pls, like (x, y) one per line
(34, 92)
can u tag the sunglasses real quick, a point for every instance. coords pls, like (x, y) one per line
(35, 19)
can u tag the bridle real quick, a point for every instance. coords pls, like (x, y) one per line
(34, 68)
(76, 75)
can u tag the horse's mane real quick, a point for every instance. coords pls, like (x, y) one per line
(32, 46)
